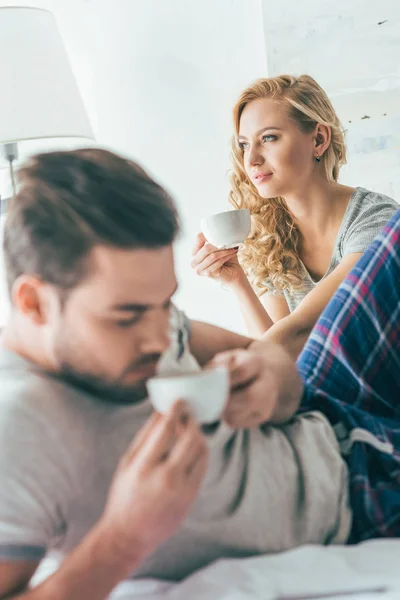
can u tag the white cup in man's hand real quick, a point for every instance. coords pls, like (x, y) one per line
(228, 229)
(205, 392)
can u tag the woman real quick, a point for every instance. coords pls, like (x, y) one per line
(308, 231)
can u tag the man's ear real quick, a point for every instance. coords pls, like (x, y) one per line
(29, 298)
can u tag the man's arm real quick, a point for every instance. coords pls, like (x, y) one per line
(91, 571)
(207, 340)
(154, 486)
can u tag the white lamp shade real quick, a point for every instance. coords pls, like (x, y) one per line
(39, 96)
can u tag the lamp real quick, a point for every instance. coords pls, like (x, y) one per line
(39, 97)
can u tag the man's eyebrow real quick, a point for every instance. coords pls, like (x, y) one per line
(128, 307)
(137, 307)
(259, 131)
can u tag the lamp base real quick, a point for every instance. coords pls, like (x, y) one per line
(10, 151)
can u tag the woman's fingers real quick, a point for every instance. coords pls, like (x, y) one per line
(214, 261)
(199, 243)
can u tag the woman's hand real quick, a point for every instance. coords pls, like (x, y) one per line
(221, 265)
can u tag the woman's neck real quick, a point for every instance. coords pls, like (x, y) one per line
(319, 208)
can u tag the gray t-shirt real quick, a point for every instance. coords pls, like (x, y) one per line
(264, 491)
(367, 212)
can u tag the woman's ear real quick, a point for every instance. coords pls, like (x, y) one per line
(322, 139)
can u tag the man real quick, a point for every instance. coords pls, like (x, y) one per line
(88, 250)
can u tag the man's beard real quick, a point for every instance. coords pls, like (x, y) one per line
(103, 388)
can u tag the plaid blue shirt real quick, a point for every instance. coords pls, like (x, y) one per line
(351, 366)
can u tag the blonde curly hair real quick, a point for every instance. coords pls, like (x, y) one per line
(270, 255)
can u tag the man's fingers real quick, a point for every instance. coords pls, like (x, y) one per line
(246, 368)
(197, 470)
(188, 448)
(161, 439)
(141, 437)
(258, 397)
(258, 391)
(224, 359)
(243, 366)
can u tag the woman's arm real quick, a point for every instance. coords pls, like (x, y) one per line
(254, 313)
(292, 331)
(259, 314)
(223, 266)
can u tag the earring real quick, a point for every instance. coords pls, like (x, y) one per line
(318, 159)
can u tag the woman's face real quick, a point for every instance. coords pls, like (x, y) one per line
(278, 156)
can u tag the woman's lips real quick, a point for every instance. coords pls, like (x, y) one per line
(261, 178)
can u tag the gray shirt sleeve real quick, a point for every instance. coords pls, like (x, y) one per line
(365, 222)
(33, 478)
(178, 358)
(271, 290)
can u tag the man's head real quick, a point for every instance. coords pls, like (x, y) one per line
(88, 252)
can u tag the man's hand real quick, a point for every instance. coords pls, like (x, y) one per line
(153, 488)
(155, 484)
(265, 386)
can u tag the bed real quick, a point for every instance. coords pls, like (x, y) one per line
(368, 571)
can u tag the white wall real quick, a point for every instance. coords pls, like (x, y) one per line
(352, 48)
(159, 78)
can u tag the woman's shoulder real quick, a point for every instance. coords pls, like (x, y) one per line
(364, 201)
(366, 214)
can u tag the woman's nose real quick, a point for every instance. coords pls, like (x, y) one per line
(255, 157)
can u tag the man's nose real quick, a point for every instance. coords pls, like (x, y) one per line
(155, 338)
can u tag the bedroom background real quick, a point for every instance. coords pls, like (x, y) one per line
(159, 78)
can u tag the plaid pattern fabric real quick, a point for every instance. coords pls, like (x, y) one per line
(351, 366)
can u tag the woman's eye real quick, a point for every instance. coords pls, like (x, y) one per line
(269, 138)
(243, 145)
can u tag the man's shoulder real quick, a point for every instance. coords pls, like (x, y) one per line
(33, 399)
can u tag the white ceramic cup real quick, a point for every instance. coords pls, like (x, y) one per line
(206, 393)
(227, 229)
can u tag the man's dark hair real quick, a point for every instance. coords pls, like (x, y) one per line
(68, 202)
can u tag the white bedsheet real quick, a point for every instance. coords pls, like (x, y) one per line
(306, 570)
(303, 571)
